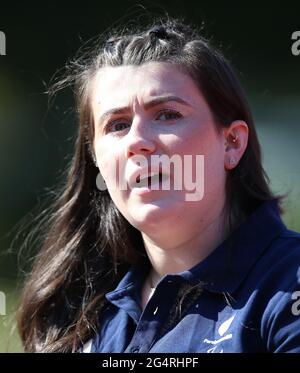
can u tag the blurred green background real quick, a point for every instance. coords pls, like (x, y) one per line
(36, 140)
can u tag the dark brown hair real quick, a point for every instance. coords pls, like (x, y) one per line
(88, 245)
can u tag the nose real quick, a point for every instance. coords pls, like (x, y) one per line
(140, 139)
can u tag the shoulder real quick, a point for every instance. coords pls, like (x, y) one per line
(275, 264)
(279, 291)
(285, 250)
(272, 290)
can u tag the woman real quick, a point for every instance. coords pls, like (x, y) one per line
(138, 266)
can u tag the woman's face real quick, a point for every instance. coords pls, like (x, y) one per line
(145, 116)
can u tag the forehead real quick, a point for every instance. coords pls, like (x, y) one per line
(119, 86)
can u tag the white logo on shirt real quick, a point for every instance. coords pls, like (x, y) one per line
(222, 330)
(87, 347)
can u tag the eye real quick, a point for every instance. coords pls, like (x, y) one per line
(168, 115)
(116, 126)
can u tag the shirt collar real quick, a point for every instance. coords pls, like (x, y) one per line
(226, 267)
(127, 293)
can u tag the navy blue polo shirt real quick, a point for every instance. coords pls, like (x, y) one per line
(244, 297)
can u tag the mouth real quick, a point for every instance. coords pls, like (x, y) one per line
(149, 181)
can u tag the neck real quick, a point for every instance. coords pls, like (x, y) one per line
(154, 279)
(183, 252)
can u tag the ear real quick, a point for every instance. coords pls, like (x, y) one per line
(236, 140)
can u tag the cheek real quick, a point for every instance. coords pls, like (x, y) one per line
(212, 147)
(105, 159)
(108, 170)
(196, 139)
(215, 174)
(110, 165)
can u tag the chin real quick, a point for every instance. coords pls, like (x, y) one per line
(152, 216)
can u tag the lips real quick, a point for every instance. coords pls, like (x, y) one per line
(148, 180)
(143, 178)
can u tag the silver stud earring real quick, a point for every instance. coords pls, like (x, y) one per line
(232, 161)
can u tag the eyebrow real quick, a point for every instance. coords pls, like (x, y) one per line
(148, 105)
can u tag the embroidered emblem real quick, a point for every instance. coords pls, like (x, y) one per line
(222, 330)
